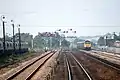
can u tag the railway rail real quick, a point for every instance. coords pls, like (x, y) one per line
(105, 62)
(80, 72)
(29, 70)
(109, 55)
(78, 65)
(68, 68)
(97, 68)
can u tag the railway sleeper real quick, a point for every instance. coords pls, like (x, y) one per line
(106, 62)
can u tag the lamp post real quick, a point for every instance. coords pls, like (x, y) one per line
(19, 38)
(13, 35)
(32, 42)
(50, 42)
(59, 30)
(73, 44)
(50, 37)
(114, 38)
(74, 32)
(106, 40)
(3, 22)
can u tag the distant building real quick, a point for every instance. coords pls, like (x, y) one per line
(108, 39)
(117, 44)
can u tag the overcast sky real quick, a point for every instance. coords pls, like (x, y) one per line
(87, 17)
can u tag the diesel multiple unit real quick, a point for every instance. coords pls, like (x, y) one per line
(86, 45)
(9, 46)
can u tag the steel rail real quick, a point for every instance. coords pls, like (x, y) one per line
(68, 68)
(22, 69)
(32, 74)
(80, 65)
(105, 62)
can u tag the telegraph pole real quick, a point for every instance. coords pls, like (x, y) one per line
(32, 42)
(13, 36)
(50, 42)
(106, 40)
(19, 38)
(3, 21)
(114, 36)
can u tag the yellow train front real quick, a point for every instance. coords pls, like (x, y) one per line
(87, 45)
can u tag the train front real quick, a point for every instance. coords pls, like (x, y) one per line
(87, 45)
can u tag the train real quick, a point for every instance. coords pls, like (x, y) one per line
(46, 49)
(9, 47)
(85, 45)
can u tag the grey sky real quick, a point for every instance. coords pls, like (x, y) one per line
(40, 15)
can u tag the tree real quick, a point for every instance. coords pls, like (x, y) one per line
(65, 43)
(39, 42)
(101, 41)
(25, 37)
(7, 38)
(55, 42)
(47, 39)
(78, 40)
(115, 36)
(118, 38)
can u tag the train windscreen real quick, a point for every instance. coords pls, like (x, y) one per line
(87, 42)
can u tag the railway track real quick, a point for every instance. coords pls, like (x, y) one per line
(79, 65)
(29, 70)
(105, 62)
(68, 69)
(109, 55)
(75, 69)
(97, 68)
